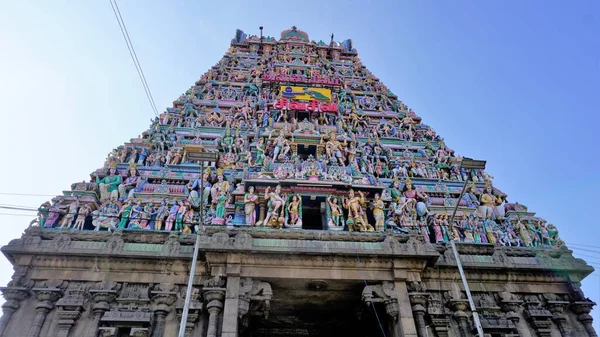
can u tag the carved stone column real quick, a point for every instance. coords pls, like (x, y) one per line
(509, 304)
(537, 316)
(163, 296)
(13, 297)
(439, 314)
(194, 312)
(459, 306)
(46, 297)
(254, 299)
(103, 293)
(557, 308)
(262, 211)
(70, 308)
(214, 298)
(583, 309)
(419, 305)
(231, 310)
(388, 293)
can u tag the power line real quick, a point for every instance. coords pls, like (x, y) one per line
(18, 208)
(136, 58)
(132, 53)
(581, 245)
(15, 214)
(588, 256)
(585, 250)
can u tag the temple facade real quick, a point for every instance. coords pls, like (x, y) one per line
(324, 206)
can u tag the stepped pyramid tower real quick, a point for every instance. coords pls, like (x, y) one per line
(322, 206)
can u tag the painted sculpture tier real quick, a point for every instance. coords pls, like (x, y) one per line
(303, 137)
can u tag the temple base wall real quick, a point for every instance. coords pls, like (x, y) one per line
(257, 283)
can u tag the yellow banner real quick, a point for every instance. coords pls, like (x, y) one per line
(305, 94)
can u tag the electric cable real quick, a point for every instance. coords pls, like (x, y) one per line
(133, 54)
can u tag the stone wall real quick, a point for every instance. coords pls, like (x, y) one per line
(98, 283)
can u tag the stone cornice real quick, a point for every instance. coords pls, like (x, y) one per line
(263, 243)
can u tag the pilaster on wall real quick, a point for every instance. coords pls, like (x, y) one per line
(230, 312)
(47, 295)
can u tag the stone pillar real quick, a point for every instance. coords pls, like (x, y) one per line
(509, 304)
(70, 308)
(103, 293)
(537, 316)
(13, 297)
(459, 306)
(557, 308)
(394, 295)
(405, 324)
(46, 298)
(419, 304)
(163, 296)
(195, 309)
(262, 211)
(214, 297)
(583, 309)
(260, 294)
(439, 314)
(230, 312)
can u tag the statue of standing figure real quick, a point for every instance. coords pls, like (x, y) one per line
(356, 215)
(217, 187)
(84, 211)
(378, 212)
(71, 214)
(294, 211)
(275, 205)
(250, 201)
(335, 212)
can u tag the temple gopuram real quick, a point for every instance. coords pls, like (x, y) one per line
(322, 205)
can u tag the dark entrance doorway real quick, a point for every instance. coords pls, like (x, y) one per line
(313, 213)
(336, 310)
(305, 150)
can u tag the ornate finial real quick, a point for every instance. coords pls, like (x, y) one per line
(294, 28)
(220, 171)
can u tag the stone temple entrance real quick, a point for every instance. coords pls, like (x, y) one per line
(317, 308)
(313, 212)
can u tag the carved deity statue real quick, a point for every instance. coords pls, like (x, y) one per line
(109, 185)
(275, 204)
(250, 201)
(356, 214)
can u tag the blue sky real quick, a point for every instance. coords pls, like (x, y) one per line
(511, 82)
